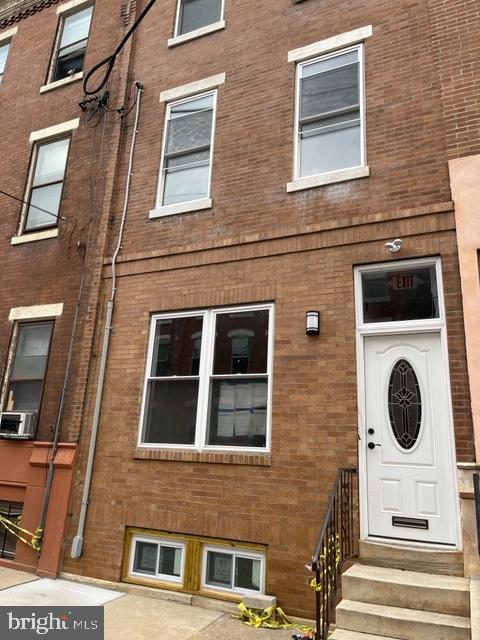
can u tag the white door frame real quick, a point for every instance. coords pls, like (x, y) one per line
(437, 325)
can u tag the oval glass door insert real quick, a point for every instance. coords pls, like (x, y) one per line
(404, 404)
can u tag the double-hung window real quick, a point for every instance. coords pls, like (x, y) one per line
(208, 381)
(4, 48)
(187, 154)
(330, 113)
(29, 366)
(47, 176)
(197, 14)
(71, 46)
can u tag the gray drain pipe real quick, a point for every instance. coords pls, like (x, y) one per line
(77, 544)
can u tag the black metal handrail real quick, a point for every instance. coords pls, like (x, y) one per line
(336, 544)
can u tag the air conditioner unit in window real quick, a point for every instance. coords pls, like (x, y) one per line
(20, 425)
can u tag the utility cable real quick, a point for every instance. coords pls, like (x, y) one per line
(9, 195)
(109, 62)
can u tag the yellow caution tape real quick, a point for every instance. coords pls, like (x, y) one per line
(15, 529)
(271, 618)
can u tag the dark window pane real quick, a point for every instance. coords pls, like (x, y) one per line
(238, 412)
(219, 569)
(175, 341)
(32, 351)
(330, 91)
(247, 573)
(198, 13)
(170, 562)
(171, 411)
(190, 131)
(24, 396)
(69, 62)
(145, 558)
(8, 542)
(403, 294)
(230, 328)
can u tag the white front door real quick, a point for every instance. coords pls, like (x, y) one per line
(411, 488)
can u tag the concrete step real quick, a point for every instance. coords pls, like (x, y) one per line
(405, 624)
(343, 634)
(407, 589)
(448, 563)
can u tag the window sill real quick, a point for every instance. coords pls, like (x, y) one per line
(198, 33)
(181, 207)
(34, 236)
(61, 83)
(328, 178)
(215, 457)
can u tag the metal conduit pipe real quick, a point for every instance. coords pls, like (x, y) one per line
(77, 544)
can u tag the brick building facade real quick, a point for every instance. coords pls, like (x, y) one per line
(222, 423)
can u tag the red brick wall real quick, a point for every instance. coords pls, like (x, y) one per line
(257, 244)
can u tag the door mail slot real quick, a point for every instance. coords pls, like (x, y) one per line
(412, 523)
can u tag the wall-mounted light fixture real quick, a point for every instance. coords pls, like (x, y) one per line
(313, 323)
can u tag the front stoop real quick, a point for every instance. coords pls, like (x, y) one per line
(382, 602)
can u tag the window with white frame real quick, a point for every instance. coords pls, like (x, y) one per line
(71, 46)
(158, 559)
(4, 49)
(208, 379)
(187, 153)
(237, 571)
(49, 162)
(330, 113)
(196, 14)
(31, 347)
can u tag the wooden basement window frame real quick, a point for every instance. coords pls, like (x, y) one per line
(193, 562)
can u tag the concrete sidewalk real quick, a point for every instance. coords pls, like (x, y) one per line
(131, 616)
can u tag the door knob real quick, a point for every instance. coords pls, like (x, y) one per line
(372, 445)
(371, 431)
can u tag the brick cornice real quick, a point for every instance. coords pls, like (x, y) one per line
(23, 9)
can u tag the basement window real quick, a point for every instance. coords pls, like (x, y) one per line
(235, 571)
(196, 564)
(12, 511)
(158, 559)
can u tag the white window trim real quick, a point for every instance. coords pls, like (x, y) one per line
(57, 129)
(7, 35)
(181, 207)
(161, 577)
(197, 33)
(61, 83)
(330, 44)
(189, 205)
(73, 4)
(236, 551)
(36, 312)
(193, 88)
(206, 359)
(329, 177)
(35, 236)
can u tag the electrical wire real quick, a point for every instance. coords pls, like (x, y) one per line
(9, 195)
(109, 62)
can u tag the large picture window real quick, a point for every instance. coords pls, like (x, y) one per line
(187, 154)
(208, 379)
(330, 113)
(197, 14)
